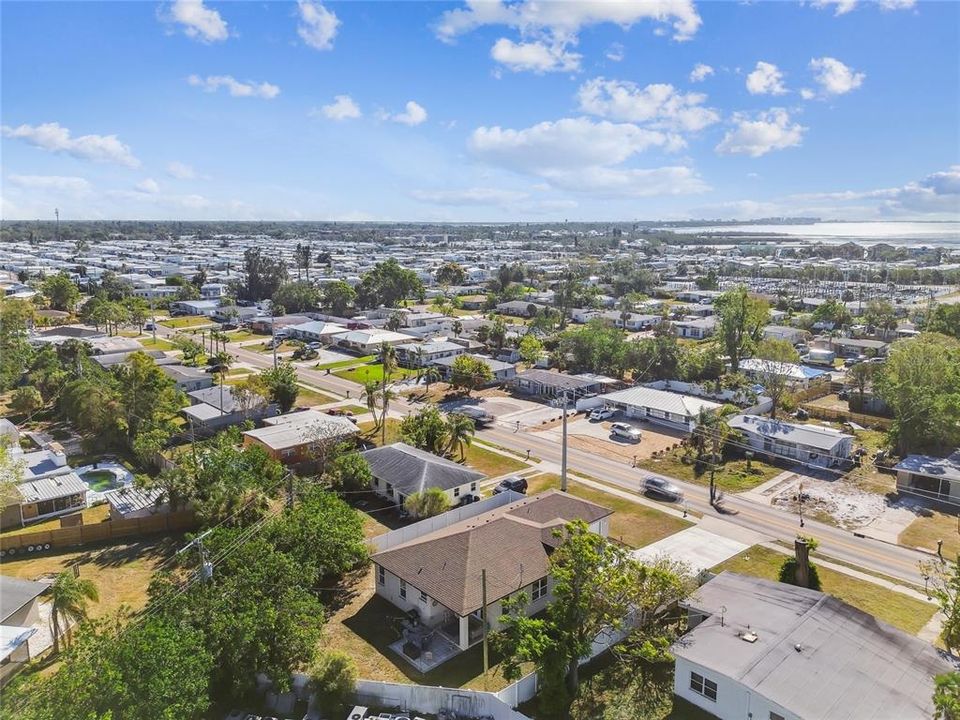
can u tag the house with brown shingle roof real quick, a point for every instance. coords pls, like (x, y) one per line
(436, 578)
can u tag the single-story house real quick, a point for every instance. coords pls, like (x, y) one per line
(131, 502)
(265, 324)
(422, 319)
(218, 407)
(696, 329)
(933, 477)
(852, 347)
(784, 332)
(584, 315)
(635, 322)
(20, 601)
(400, 470)
(416, 355)
(195, 307)
(235, 314)
(815, 445)
(438, 574)
(774, 651)
(553, 384)
(188, 379)
(315, 331)
(116, 358)
(519, 308)
(798, 377)
(296, 437)
(502, 371)
(45, 497)
(660, 406)
(111, 345)
(369, 341)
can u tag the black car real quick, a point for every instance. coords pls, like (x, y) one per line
(517, 484)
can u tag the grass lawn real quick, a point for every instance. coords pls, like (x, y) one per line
(902, 611)
(262, 347)
(346, 363)
(632, 523)
(732, 476)
(355, 409)
(362, 625)
(867, 477)
(121, 572)
(158, 344)
(310, 397)
(925, 531)
(188, 321)
(91, 515)
(373, 371)
(238, 335)
(478, 457)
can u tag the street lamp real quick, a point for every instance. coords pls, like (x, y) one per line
(800, 503)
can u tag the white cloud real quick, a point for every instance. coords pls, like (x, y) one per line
(834, 77)
(807, 94)
(251, 88)
(318, 25)
(60, 183)
(56, 138)
(660, 104)
(766, 79)
(148, 186)
(842, 7)
(469, 196)
(342, 108)
(756, 136)
(615, 53)
(700, 72)
(537, 57)
(181, 171)
(414, 114)
(583, 155)
(897, 4)
(198, 21)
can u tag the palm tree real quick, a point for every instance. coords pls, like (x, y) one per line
(710, 435)
(431, 374)
(460, 430)
(371, 393)
(69, 595)
(457, 328)
(388, 359)
(222, 362)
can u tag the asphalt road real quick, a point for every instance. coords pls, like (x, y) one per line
(873, 555)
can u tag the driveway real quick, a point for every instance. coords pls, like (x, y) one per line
(594, 437)
(697, 548)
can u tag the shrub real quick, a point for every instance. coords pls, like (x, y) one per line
(788, 573)
(334, 678)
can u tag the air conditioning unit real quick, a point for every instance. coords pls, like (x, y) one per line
(358, 713)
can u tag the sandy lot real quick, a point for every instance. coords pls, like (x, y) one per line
(595, 437)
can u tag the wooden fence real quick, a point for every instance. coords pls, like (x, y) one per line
(96, 532)
(822, 413)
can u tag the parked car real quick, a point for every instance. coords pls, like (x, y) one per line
(229, 326)
(516, 483)
(625, 431)
(479, 416)
(662, 488)
(603, 413)
(314, 345)
(150, 325)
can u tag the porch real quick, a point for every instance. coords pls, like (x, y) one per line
(427, 647)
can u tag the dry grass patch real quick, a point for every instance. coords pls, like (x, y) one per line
(91, 515)
(924, 532)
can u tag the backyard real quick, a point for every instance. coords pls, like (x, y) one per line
(732, 475)
(91, 515)
(902, 611)
(924, 532)
(373, 371)
(159, 344)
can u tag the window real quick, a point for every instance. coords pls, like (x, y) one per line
(456, 492)
(423, 597)
(403, 589)
(389, 490)
(376, 482)
(473, 487)
(539, 589)
(702, 686)
(381, 575)
(776, 716)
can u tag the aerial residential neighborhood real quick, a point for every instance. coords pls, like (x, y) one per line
(502, 360)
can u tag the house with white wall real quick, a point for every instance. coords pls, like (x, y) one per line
(400, 470)
(815, 445)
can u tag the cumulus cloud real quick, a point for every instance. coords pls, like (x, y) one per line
(660, 105)
(414, 114)
(537, 57)
(833, 77)
(757, 135)
(766, 79)
(469, 196)
(842, 7)
(236, 88)
(553, 27)
(181, 171)
(58, 139)
(342, 108)
(583, 155)
(197, 20)
(59, 183)
(147, 185)
(318, 25)
(700, 72)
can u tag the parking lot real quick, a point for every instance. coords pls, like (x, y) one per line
(595, 437)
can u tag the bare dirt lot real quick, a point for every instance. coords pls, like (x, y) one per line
(595, 437)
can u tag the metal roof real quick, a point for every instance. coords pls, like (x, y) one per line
(300, 428)
(129, 499)
(52, 487)
(813, 655)
(814, 436)
(15, 593)
(947, 468)
(675, 403)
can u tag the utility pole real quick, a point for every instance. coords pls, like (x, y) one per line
(206, 567)
(153, 319)
(563, 456)
(483, 599)
(56, 211)
(289, 489)
(273, 336)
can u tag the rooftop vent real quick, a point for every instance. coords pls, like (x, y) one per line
(750, 637)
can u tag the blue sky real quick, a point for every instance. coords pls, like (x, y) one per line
(480, 112)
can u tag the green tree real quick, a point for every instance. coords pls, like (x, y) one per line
(946, 696)
(920, 382)
(388, 284)
(138, 311)
(862, 376)
(425, 430)
(530, 348)
(339, 296)
(16, 316)
(61, 291)
(944, 587)
(469, 372)
(296, 296)
(460, 431)
(262, 275)
(740, 323)
(881, 315)
(333, 677)
(26, 400)
(147, 397)
(451, 273)
(427, 503)
(69, 596)
(281, 382)
(773, 357)
(833, 311)
(348, 472)
(944, 319)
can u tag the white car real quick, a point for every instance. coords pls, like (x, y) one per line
(625, 431)
(603, 413)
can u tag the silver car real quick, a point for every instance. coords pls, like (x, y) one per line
(662, 488)
(625, 431)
